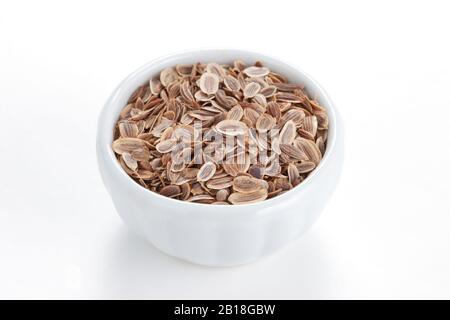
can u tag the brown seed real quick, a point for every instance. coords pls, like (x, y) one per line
(127, 145)
(268, 91)
(305, 166)
(256, 71)
(166, 146)
(251, 89)
(141, 154)
(128, 129)
(145, 174)
(287, 134)
(289, 97)
(222, 195)
(209, 83)
(310, 124)
(231, 127)
(293, 173)
(130, 161)
(247, 198)
(257, 171)
(168, 76)
(239, 65)
(184, 69)
(275, 144)
(274, 109)
(155, 86)
(170, 191)
(185, 191)
(321, 145)
(296, 115)
(305, 134)
(273, 169)
(246, 184)
(216, 69)
(322, 119)
(206, 172)
(288, 87)
(310, 149)
(293, 152)
(235, 113)
(220, 183)
(203, 198)
(260, 99)
(232, 83)
(265, 122)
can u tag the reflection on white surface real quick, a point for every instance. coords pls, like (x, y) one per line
(136, 269)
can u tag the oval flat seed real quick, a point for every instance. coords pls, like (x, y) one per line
(306, 166)
(260, 99)
(274, 109)
(265, 122)
(206, 172)
(201, 198)
(184, 69)
(268, 91)
(170, 191)
(231, 127)
(288, 133)
(216, 69)
(232, 83)
(296, 115)
(201, 96)
(273, 169)
(257, 171)
(246, 198)
(141, 154)
(166, 146)
(310, 124)
(222, 195)
(209, 83)
(251, 89)
(310, 149)
(168, 76)
(220, 183)
(256, 71)
(276, 145)
(288, 87)
(293, 173)
(128, 129)
(145, 174)
(321, 145)
(293, 152)
(122, 145)
(289, 97)
(185, 190)
(246, 184)
(130, 161)
(155, 86)
(235, 113)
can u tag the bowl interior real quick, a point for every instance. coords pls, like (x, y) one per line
(120, 96)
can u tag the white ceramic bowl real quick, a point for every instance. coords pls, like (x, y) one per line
(218, 235)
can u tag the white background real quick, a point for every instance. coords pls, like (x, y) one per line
(384, 234)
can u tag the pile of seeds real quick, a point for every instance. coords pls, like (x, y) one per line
(272, 134)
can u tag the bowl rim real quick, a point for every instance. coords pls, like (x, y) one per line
(104, 146)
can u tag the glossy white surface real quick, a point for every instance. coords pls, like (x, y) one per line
(383, 234)
(218, 235)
